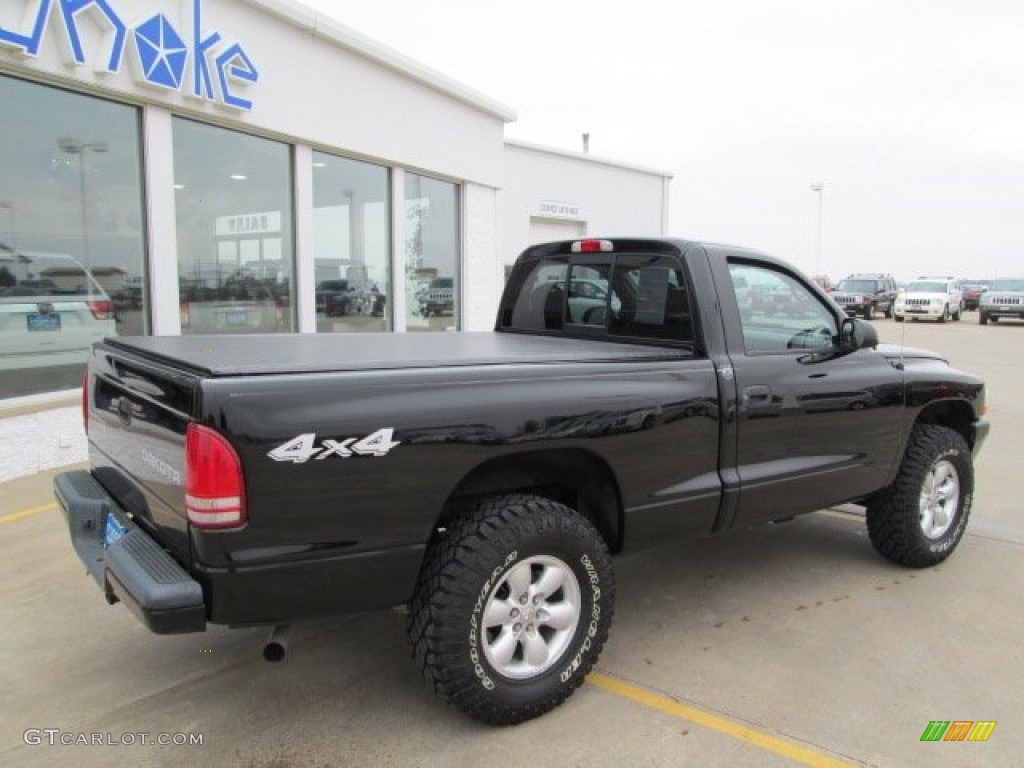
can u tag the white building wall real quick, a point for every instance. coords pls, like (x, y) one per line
(481, 274)
(601, 196)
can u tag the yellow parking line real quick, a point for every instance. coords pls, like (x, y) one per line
(27, 513)
(736, 730)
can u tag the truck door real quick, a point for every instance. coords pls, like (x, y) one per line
(813, 425)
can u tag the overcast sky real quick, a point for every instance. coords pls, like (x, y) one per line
(910, 112)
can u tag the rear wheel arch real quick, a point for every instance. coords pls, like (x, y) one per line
(576, 478)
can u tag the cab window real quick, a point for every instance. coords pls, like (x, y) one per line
(653, 300)
(778, 313)
(630, 296)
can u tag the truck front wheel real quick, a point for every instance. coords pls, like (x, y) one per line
(920, 518)
(512, 608)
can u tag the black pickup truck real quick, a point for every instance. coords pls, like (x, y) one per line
(631, 391)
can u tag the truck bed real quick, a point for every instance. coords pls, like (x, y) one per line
(237, 355)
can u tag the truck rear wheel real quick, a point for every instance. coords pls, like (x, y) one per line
(920, 518)
(512, 608)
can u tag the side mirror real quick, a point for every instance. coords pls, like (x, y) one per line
(857, 334)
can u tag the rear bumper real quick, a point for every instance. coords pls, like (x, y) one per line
(134, 569)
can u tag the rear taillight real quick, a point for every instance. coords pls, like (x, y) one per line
(214, 493)
(102, 309)
(85, 400)
(186, 314)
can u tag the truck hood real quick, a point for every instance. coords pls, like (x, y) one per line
(896, 352)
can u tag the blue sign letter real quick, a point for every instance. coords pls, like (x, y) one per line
(71, 7)
(202, 85)
(234, 63)
(29, 43)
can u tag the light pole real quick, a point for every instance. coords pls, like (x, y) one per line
(78, 148)
(819, 187)
(7, 205)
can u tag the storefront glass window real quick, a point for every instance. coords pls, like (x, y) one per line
(352, 245)
(72, 244)
(432, 254)
(233, 203)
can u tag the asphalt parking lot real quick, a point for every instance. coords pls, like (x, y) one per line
(790, 644)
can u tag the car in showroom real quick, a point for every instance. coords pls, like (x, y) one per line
(52, 309)
(241, 304)
(439, 298)
(1004, 298)
(930, 298)
(337, 298)
(866, 294)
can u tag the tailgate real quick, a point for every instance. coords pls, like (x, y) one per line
(138, 412)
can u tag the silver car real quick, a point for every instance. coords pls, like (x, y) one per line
(1004, 298)
(51, 310)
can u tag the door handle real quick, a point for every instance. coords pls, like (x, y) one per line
(757, 393)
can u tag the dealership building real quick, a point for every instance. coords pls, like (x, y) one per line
(240, 166)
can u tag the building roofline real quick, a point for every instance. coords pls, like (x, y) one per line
(586, 157)
(316, 23)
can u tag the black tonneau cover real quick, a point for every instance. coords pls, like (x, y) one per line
(252, 354)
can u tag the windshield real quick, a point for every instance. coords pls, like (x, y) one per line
(857, 286)
(926, 287)
(1006, 285)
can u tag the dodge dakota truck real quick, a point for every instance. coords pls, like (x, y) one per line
(630, 392)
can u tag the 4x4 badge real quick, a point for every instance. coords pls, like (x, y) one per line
(301, 449)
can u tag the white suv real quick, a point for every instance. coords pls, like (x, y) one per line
(52, 309)
(935, 298)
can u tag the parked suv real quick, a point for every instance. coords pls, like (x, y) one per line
(439, 298)
(936, 298)
(866, 294)
(1004, 298)
(336, 298)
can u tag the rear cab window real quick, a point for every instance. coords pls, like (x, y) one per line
(626, 296)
